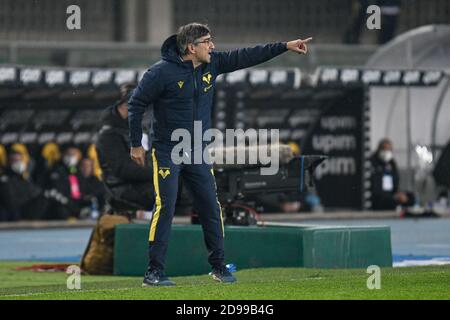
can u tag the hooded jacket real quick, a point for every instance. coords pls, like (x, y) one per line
(113, 149)
(181, 94)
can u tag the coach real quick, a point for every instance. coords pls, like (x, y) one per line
(180, 86)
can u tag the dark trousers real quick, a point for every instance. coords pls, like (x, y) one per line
(199, 179)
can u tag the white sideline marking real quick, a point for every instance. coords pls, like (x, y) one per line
(70, 291)
(125, 289)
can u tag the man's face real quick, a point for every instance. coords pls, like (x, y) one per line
(17, 163)
(387, 146)
(87, 167)
(71, 157)
(385, 152)
(123, 110)
(202, 48)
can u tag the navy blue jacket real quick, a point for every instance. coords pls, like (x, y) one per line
(181, 94)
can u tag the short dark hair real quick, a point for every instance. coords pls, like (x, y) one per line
(383, 142)
(188, 34)
(126, 90)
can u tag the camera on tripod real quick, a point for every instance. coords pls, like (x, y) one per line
(236, 182)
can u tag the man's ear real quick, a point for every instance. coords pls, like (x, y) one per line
(191, 48)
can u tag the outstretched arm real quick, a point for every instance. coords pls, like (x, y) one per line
(230, 61)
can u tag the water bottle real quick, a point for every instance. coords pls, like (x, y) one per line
(231, 267)
(94, 209)
(313, 200)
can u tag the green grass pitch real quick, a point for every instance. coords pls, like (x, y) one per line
(253, 284)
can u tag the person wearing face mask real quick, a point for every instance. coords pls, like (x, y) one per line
(63, 183)
(21, 198)
(385, 180)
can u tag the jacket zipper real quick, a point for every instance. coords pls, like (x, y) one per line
(194, 108)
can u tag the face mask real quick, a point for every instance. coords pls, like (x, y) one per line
(18, 167)
(386, 155)
(70, 161)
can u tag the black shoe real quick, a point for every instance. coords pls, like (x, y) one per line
(222, 274)
(156, 278)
